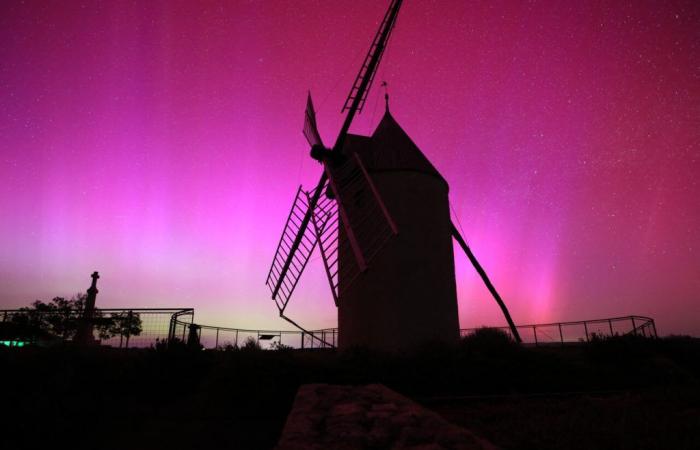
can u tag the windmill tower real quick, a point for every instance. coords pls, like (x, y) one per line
(380, 218)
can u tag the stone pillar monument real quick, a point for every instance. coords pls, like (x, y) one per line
(85, 331)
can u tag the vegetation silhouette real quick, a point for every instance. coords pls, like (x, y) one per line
(124, 324)
(60, 320)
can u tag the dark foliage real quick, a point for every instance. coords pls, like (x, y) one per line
(60, 320)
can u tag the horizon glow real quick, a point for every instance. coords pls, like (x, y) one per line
(160, 144)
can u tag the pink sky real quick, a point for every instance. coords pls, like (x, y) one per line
(160, 144)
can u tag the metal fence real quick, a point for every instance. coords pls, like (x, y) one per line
(212, 337)
(18, 327)
(123, 327)
(559, 333)
(562, 333)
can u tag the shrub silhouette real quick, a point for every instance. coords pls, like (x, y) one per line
(251, 344)
(488, 341)
(60, 318)
(124, 324)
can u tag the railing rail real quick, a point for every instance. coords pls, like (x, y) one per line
(561, 333)
(161, 324)
(116, 327)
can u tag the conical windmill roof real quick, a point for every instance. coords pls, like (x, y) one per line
(390, 149)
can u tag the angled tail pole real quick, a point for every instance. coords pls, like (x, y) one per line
(487, 282)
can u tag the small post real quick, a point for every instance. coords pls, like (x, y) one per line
(4, 317)
(302, 340)
(216, 345)
(194, 335)
(634, 326)
(130, 317)
(585, 327)
(653, 327)
(236, 344)
(611, 328)
(171, 328)
(534, 332)
(561, 335)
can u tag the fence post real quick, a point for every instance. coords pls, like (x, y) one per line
(302, 340)
(561, 335)
(653, 327)
(634, 326)
(611, 328)
(4, 317)
(335, 344)
(585, 327)
(236, 343)
(534, 332)
(171, 328)
(128, 327)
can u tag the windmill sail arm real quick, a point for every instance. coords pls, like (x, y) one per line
(362, 264)
(480, 270)
(361, 86)
(310, 127)
(293, 250)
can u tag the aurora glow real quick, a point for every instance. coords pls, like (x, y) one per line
(160, 144)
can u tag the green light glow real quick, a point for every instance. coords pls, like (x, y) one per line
(13, 343)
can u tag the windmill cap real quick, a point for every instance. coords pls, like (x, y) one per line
(390, 149)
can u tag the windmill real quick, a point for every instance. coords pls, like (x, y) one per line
(380, 217)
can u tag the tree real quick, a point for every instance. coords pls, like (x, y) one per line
(125, 323)
(61, 318)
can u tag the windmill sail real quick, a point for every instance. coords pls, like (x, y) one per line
(292, 254)
(310, 127)
(291, 257)
(359, 209)
(368, 70)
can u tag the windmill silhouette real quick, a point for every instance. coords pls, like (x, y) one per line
(380, 217)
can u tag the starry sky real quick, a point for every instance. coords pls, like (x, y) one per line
(160, 143)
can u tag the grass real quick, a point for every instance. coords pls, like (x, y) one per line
(617, 393)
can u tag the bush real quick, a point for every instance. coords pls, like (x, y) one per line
(251, 344)
(280, 347)
(488, 341)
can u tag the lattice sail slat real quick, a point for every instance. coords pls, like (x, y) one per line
(359, 209)
(377, 47)
(282, 281)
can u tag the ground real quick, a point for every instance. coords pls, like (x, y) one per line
(619, 393)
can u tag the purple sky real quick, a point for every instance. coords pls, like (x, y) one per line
(160, 144)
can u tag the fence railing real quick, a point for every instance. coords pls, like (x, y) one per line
(212, 337)
(144, 327)
(115, 327)
(560, 333)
